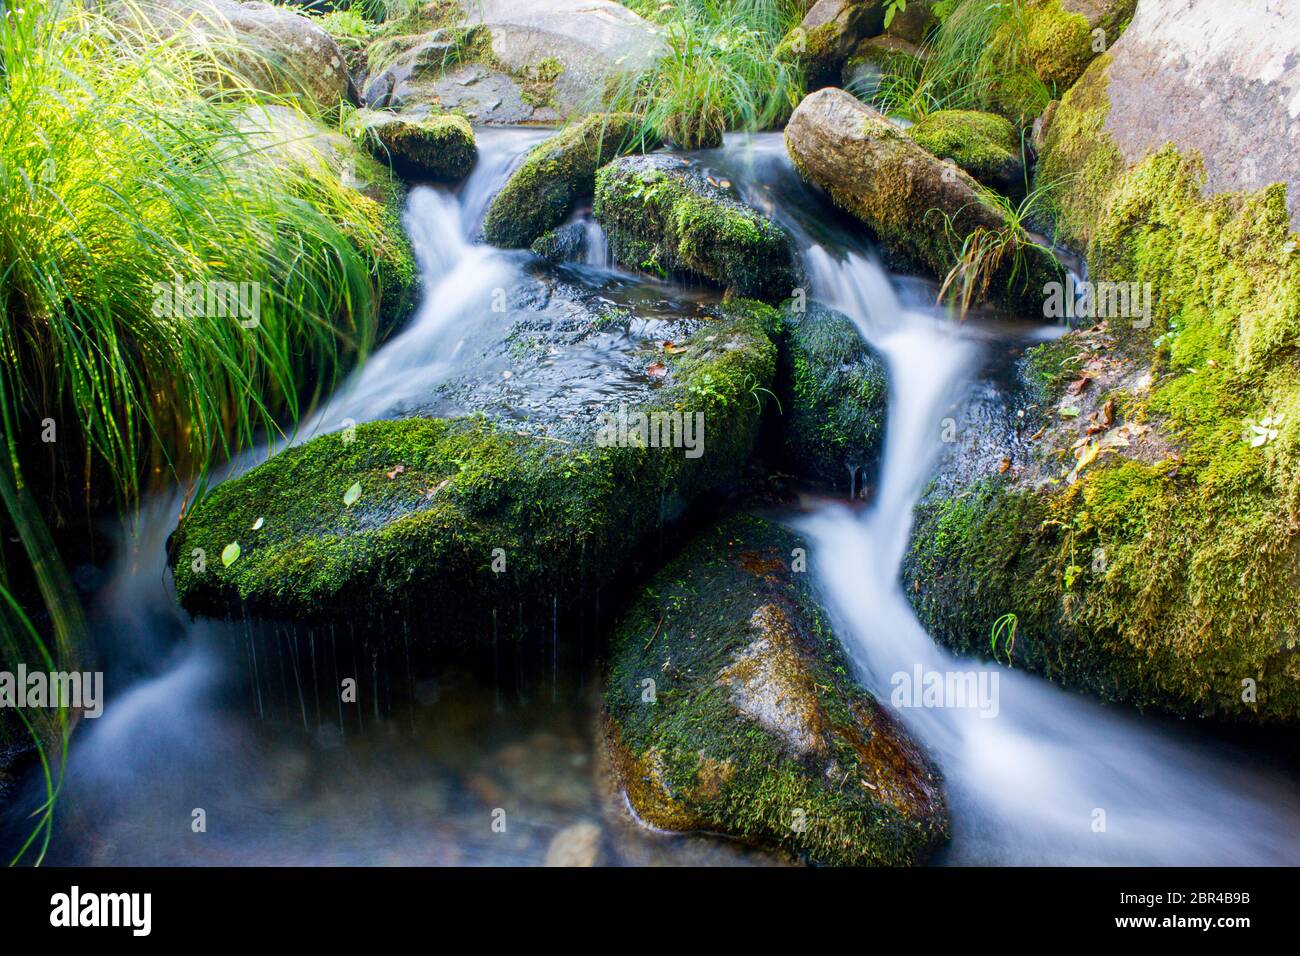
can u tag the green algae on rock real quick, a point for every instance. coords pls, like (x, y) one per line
(451, 520)
(556, 174)
(1149, 542)
(731, 709)
(663, 215)
(438, 146)
(833, 388)
(983, 144)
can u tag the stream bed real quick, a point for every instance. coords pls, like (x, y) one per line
(493, 761)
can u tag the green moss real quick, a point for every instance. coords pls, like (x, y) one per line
(421, 540)
(662, 216)
(838, 784)
(556, 174)
(983, 144)
(1080, 155)
(1195, 590)
(436, 146)
(1058, 44)
(833, 389)
(537, 86)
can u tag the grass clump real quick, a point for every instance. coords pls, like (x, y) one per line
(128, 173)
(717, 73)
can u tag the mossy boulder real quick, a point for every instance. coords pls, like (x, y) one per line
(437, 146)
(471, 523)
(731, 709)
(268, 47)
(826, 36)
(920, 207)
(983, 144)
(1105, 125)
(556, 174)
(833, 389)
(1062, 37)
(663, 215)
(1146, 536)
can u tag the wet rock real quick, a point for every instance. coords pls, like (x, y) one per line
(486, 528)
(568, 243)
(578, 845)
(730, 710)
(920, 207)
(833, 388)
(1063, 36)
(827, 35)
(983, 144)
(557, 173)
(421, 145)
(270, 47)
(663, 215)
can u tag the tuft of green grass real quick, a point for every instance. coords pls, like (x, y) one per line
(1006, 254)
(127, 165)
(718, 73)
(976, 61)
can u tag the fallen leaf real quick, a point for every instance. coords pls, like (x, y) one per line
(1080, 385)
(1004, 466)
(657, 370)
(352, 494)
(230, 553)
(1108, 413)
(257, 525)
(1069, 411)
(672, 348)
(396, 471)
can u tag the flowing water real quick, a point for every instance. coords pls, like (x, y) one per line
(237, 724)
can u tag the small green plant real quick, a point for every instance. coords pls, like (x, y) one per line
(984, 253)
(892, 9)
(1004, 631)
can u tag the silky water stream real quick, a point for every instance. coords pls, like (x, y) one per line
(241, 720)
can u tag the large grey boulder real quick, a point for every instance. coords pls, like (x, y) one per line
(1228, 86)
(272, 48)
(827, 35)
(517, 61)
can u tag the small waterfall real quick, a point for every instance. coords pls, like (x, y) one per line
(1026, 786)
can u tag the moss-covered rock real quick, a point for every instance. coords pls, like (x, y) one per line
(556, 174)
(469, 523)
(663, 215)
(983, 144)
(826, 36)
(1062, 37)
(731, 709)
(438, 146)
(1147, 539)
(922, 208)
(833, 389)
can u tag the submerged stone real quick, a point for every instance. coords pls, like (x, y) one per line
(730, 709)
